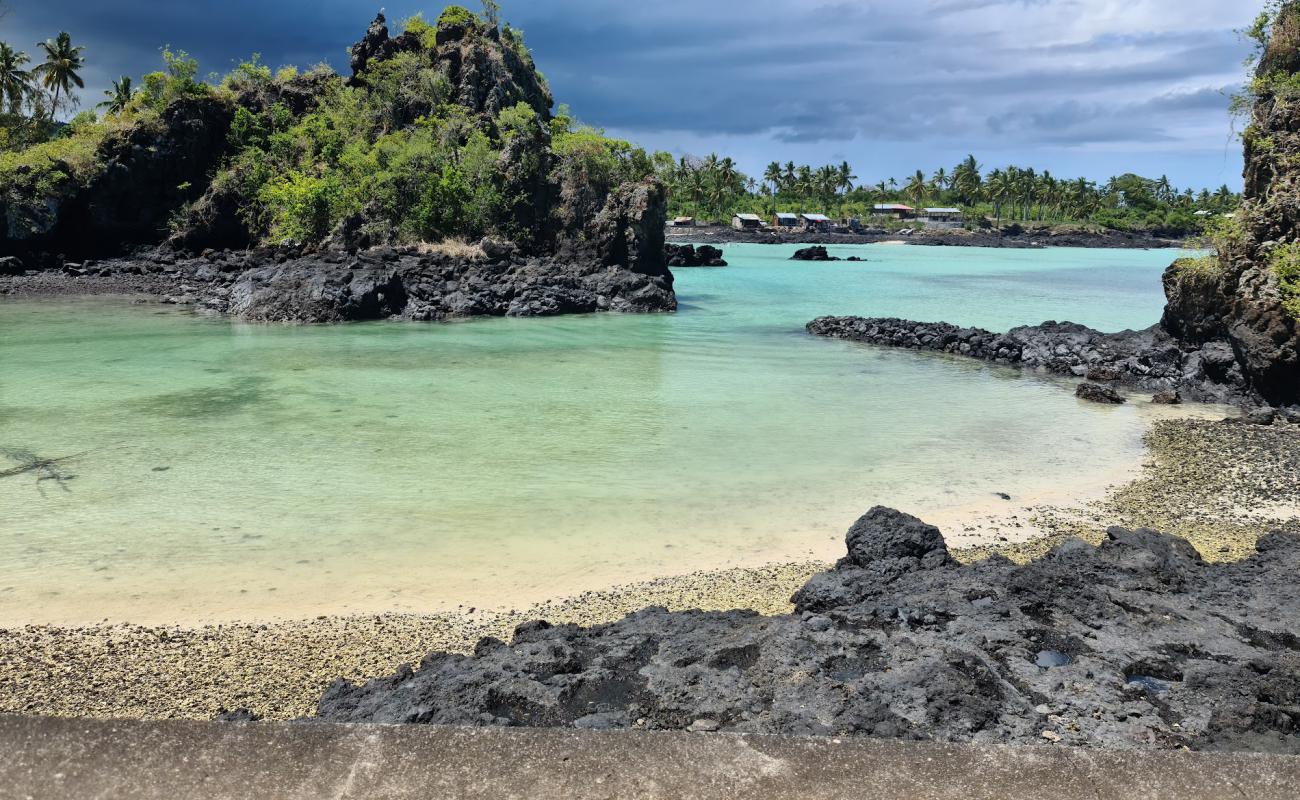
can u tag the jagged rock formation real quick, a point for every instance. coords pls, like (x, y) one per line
(1136, 643)
(1151, 360)
(815, 253)
(686, 255)
(1238, 299)
(583, 239)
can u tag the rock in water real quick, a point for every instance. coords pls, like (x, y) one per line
(1171, 398)
(1151, 360)
(899, 641)
(815, 253)
(1096, 393)
(685, 255)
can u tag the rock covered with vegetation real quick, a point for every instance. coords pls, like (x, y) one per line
(442, 140)
(1247, 295)
(1136, 643)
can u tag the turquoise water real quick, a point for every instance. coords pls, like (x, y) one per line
(234, 471)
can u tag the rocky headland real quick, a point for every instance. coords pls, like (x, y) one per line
(536, 231)
(1152, 360)
(1231, 328)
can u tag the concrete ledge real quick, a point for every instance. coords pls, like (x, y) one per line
(69, 759)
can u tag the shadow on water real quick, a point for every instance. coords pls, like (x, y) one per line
(215, 401)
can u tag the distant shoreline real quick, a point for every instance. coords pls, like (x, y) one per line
(1025, 239)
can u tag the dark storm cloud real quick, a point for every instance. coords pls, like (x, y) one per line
(1066, 73)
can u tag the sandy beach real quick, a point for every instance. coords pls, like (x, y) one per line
(1220, 484)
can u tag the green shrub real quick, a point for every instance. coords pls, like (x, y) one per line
(420, 26)
(178, 79)
(1285, 263)
(298, 207)
(457, 16)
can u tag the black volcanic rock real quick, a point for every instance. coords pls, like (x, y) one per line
(149, 171)
(815, 253)
(1236, 297)
(1150, 359)
(1096, 393)
(1136, 643)
(685, 255)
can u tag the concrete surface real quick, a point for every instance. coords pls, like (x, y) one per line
(72, 759)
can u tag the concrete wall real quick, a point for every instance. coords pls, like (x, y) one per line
(70, 759)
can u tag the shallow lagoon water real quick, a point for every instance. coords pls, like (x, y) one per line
(231, 471)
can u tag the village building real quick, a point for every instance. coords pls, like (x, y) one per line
(683, 222)
(942, 217)
(815, 222)
(743, 222)
(895, 210)
(783, 220)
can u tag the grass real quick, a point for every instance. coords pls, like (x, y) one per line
(453, 248)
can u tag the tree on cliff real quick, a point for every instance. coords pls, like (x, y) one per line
(119, 97)
(61, 69)
(15, 81)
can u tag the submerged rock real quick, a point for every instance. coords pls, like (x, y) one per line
(899, 641)
(1096, 393)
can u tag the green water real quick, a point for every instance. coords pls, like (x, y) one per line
(227, 470)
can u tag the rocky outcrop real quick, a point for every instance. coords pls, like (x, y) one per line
(483, 73)
(1237, 298)
(630, 228)
(1097, 393)
(1136, 643)
(1151, 360)
(291, 285)
(146, 173)
(815, 253)
(687, 255)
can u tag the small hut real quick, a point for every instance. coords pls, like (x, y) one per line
(815, 222)
(744, 222)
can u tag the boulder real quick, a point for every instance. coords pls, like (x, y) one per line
(1096, 393)
(815, 253)
(685, 255)
(884, 533)
(1169, 398)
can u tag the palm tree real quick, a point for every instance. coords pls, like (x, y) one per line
(59, 73)
(940, 180)
(773, 176)
(119, 97)
(15, 82)
(966, 180)
(917, 188)
(999, 191)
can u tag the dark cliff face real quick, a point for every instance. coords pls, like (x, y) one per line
(148, 172)
(1240, 298)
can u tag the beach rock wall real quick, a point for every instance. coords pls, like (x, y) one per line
(1240, 297)
(1136, 643)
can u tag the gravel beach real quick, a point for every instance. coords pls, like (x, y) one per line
(1222, 485)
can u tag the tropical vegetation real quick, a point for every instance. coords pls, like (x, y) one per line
(713, 188)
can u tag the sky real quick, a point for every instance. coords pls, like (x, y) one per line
(1079, 87)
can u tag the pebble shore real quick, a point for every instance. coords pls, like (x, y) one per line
(1220, 484)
